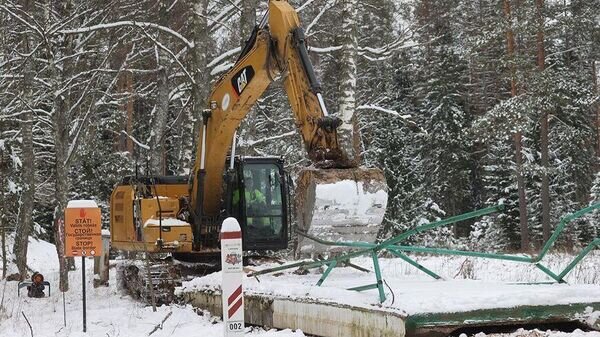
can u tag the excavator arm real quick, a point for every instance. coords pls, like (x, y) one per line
(277, 48)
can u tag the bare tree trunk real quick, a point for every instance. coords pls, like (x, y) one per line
(25, 223)
(541, 60)
(247, 20)
(517, 137)
(161, 108)
(61, 186)
(125, 86)
(3, 174)
(159, 124)
(597, 90)
(201, 88)
(348, 132)
(60, 123)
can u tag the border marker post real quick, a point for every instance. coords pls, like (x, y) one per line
(232, 292)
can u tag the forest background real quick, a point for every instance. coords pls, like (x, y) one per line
(463, 104)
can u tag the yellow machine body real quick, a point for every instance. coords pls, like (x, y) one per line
(142, 210)
(137, 223)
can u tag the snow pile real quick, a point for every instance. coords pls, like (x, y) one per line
(40, 255)
(82, 204)
(167, 222)
(591, 318)
(346, 210)
(347, 203)
(539, 333)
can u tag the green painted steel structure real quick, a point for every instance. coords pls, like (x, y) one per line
(441, 324)
(393, 246)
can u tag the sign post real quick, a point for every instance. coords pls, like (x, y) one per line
(232, 293)
(83, 236)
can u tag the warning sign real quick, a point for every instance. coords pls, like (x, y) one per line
(83, 232)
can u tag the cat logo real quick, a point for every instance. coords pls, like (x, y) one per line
(241, 79)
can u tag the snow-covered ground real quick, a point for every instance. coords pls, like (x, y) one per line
(538, 333)
(470, 284)
(110, 313)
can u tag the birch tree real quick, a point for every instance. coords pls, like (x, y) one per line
(348, 130)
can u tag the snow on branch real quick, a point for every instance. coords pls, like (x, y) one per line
(221, 68)
(223, 56)
(406, 119)
(118, 24)
(396, 45)
(324, 49)
(224, 15)
(385, 50)
(32, 27)
(325, 8)
(143, 146)
(304, 5)
(161, 46)
(267, 139)
(388, 111)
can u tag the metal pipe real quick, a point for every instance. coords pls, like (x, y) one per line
(203, 153)
(233, 145)
(322, 104)
(198, 210)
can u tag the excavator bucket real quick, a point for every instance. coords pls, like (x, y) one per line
(339, 205)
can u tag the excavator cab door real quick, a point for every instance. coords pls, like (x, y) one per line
(258, 200)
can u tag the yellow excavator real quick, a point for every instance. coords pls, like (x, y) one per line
(335, 199)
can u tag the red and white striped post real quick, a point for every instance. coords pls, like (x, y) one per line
(231, 267)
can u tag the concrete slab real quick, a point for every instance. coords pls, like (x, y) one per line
(416, 305)
(314, 318)
(337, 320)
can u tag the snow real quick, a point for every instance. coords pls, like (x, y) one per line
(12, 187)
(501, 285)
(16, 160)
(82, 204)
(139, 24)
(539, 333)
(344, 209)
(220, 68)
(110, 313)
(223, 56)
(230, 225)
(167, 222)
(350, 195)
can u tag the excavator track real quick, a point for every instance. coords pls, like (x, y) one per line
(164, 273)
(136, 277)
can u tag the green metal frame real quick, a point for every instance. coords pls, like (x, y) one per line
(392, 246)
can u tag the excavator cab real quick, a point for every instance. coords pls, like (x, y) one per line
(257, 196)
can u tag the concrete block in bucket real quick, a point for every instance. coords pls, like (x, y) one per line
(339, 205)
